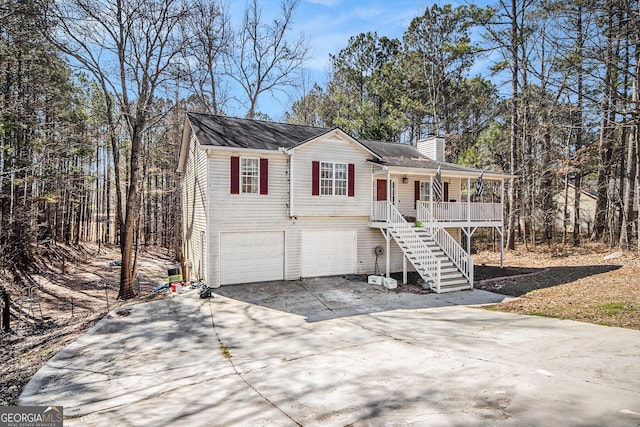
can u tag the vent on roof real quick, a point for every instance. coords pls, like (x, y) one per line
(432, 147)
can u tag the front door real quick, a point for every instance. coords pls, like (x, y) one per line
(381, 190)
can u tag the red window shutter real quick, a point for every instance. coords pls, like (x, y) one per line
(352, 180)
(446, 191)
(315, 178)
(235, 175)
(264, 176)
(416, 193)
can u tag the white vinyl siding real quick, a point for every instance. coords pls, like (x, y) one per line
(252, 215)
(328, 151)
(230, 214)
(194, 202)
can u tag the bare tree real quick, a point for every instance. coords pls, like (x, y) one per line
(208, 33)
(264, 59)
(130, 47)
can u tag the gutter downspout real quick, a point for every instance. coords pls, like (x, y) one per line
(290, 156)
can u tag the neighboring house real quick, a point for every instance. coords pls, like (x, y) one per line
(271, 201)
(588, 199)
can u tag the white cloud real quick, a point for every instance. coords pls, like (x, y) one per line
(325, 3)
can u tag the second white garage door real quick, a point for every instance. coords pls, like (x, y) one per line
(329, 252)
(251, 257)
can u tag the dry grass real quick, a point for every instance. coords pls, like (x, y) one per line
(573, 283)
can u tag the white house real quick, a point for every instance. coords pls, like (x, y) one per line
(271, 201)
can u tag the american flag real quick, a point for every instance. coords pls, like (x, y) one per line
(479, 187)
(437, 187)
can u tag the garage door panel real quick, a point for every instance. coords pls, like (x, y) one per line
(328, 252)
(251, 257)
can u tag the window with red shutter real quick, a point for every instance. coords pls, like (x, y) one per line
(264, 176)
(315, 178)
(352, 180)
(235, 175)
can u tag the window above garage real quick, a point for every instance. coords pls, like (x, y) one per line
(249, 175)
(332, 179)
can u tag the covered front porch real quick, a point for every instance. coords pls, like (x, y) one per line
(431, 212)
(411, 191)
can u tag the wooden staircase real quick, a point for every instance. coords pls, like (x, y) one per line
(428, 258)
(451, 279)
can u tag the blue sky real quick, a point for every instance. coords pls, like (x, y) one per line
(328, 25)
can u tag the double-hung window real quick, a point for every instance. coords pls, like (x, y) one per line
(425, 190)
(333, 179)
(249, 175)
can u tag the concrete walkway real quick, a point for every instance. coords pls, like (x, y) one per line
(328, 352)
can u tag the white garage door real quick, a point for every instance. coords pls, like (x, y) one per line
(329, 252)
(251, 257)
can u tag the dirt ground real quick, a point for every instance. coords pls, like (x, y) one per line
(76, 288)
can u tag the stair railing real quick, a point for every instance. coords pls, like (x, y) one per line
(425, 263)
(456, 253)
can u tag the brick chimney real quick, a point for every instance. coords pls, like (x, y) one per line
(432, 147)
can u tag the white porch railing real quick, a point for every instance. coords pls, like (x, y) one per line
(416, 250)
(464, 212)
(460, 258)
(380, 211)
(449, 211)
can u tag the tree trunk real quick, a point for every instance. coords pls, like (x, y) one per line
(511, 217)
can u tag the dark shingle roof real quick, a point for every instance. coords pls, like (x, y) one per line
(224, 131)
(404, 155)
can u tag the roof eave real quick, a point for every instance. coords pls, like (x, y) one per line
(184, 146)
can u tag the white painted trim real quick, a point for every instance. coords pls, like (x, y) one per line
(242, 152)
(488, 175)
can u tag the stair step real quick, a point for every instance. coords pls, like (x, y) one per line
(454, 282)
(446, 289)
(451, 275)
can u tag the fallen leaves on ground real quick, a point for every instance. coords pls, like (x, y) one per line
(573, 283)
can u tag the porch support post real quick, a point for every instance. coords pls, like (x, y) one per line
(389, 190)
(431, 196)
(502, 248)
(469, 201)
(387, 236)
(502, 223)
(404, 269)
(373, 196)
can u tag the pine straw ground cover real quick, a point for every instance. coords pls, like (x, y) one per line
(571, 283)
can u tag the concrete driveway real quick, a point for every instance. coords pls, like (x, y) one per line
(328, 352)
